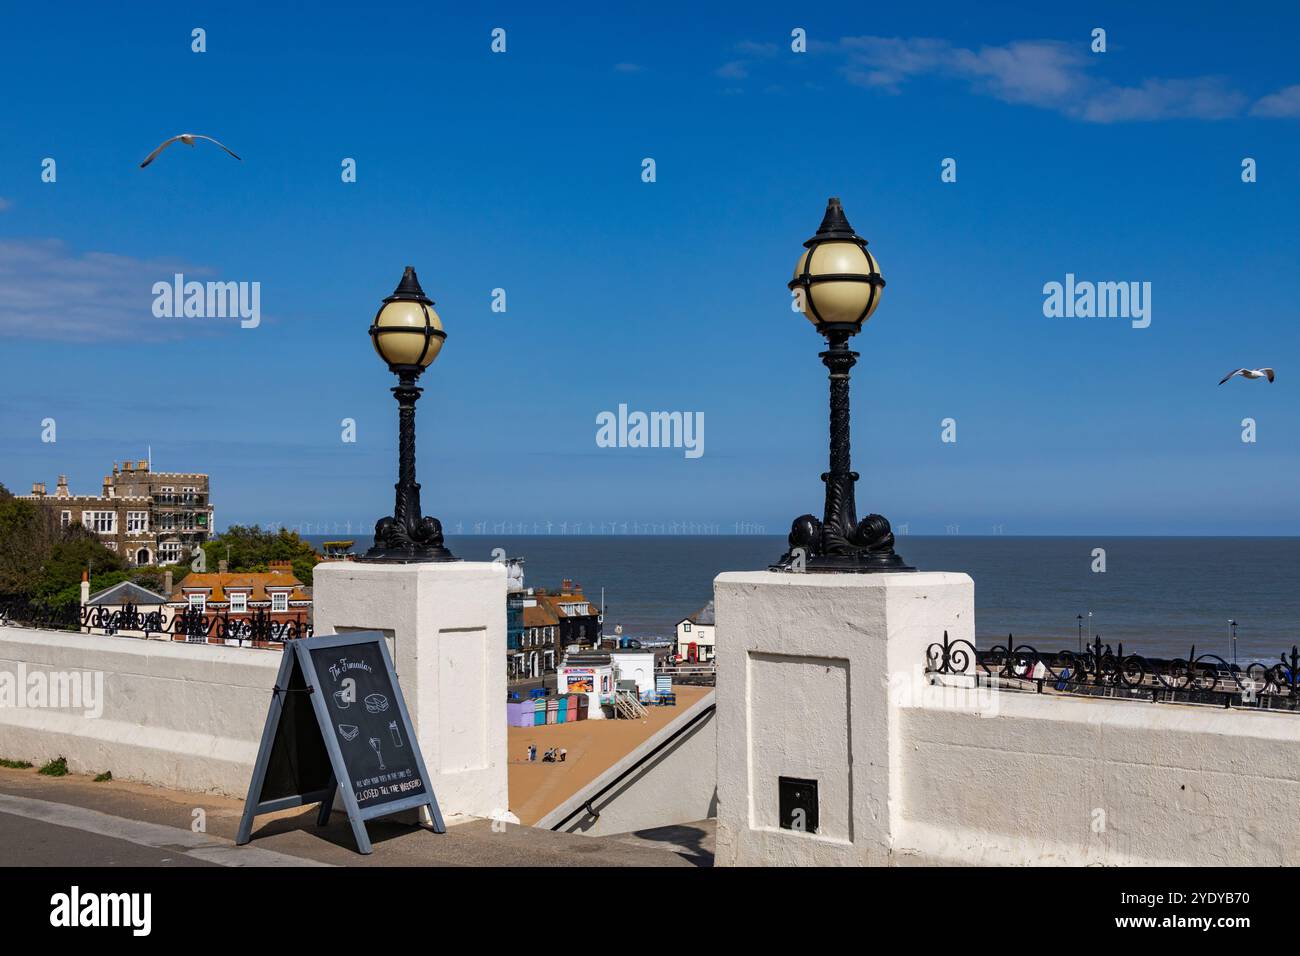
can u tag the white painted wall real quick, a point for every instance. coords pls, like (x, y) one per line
(638, 666)
(678, 785)
(1022, 778)
(185, 716)
(827, 681)
(803, 692)
(446, 629)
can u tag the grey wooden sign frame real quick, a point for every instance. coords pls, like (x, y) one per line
(297, 653)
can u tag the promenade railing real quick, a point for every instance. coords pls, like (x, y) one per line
(1098, 670)
(258, 628)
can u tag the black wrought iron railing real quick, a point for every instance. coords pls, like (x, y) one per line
(191, 624)
(1097, 669)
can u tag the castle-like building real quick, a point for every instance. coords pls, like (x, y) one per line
(147, 516)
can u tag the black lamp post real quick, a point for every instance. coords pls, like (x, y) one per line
(839, 285)
(408, 335)
(1079, 618)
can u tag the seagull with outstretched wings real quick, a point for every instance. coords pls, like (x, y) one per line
(188, 139)
(1249, 373)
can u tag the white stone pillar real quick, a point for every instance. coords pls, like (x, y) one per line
(811, 670)
(446, 629)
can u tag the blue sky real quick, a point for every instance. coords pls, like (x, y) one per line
(522, 171)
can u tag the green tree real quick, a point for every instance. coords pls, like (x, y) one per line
(252, 549)
(27, 532)
(78, 550)
(39, 560)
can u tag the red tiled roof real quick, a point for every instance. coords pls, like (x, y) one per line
(256, 583)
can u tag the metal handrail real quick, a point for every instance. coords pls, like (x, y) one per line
(645, 758)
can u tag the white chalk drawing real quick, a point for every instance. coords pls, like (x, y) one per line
(397, 737)
(374, 745)
(349, 731)
(376, 703)
(341, 700)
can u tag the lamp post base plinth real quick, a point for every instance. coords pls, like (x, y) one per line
(842, 563)
(379, 555)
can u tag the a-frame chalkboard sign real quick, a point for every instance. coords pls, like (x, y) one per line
(338, 723)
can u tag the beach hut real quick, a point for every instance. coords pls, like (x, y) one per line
(520, 713)
(539, 711)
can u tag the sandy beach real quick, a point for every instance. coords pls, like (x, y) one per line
(593, 745)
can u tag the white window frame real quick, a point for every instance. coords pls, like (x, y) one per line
(65, 519)
(238, 602)
(137, 522)
(199, 602)
(93, 519)
(169, 552)
(279, 597)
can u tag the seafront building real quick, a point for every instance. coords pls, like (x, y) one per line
(696, 637)
(240, 596)
(547, 624)
(148, 517)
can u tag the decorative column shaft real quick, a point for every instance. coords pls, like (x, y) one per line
(409, 535)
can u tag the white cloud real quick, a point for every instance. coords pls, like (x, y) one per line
(1204, 97)
(5, 204)
(1047, 74)
(53, 293)
(1284, 104)
(628, 67)
(735, 70)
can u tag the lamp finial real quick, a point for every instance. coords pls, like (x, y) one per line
(834, 224)
(409, 288)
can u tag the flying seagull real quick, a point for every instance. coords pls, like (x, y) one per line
(1250, 373)
(186, 138)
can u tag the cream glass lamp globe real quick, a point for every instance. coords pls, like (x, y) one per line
(404, 333)
(838, 301)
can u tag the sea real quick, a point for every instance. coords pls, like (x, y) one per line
(1160, 597)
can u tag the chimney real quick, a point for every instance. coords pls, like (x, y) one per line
(38, 489)
(126, 466)
(61, 489)
(566, 586)
(85, 588)
(108, 486)
(280, 567)
(167, 584)
(142, 465)
(223, 566)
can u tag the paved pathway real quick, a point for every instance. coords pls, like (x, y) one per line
(72, 821)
